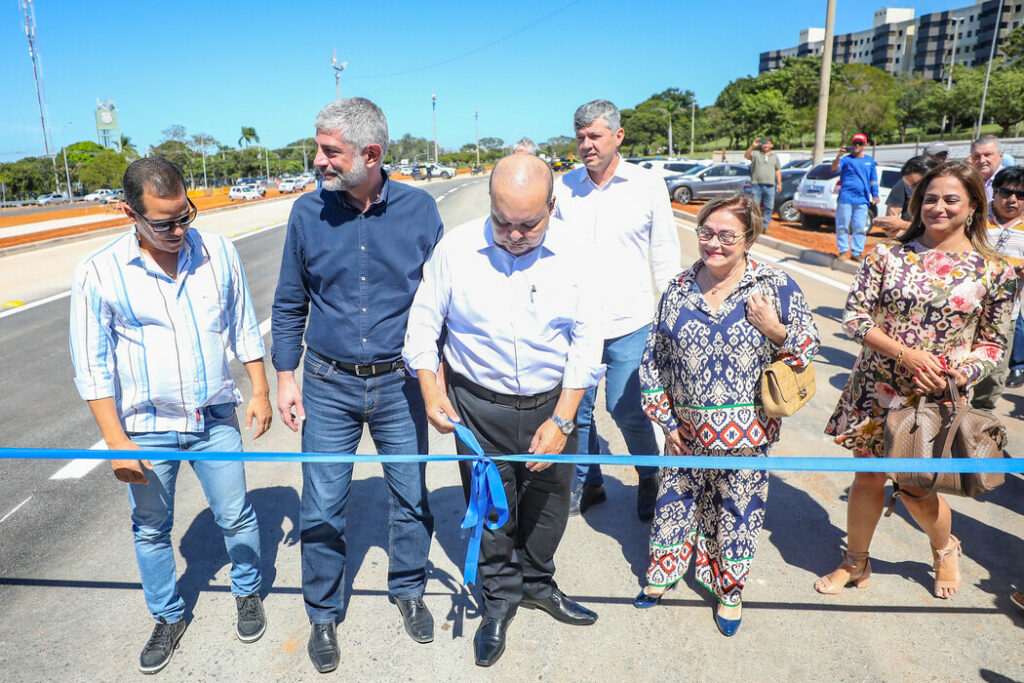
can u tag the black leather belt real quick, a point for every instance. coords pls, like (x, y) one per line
(513, 400)
(370, 370)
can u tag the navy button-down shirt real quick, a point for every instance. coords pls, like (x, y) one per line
(352, 274)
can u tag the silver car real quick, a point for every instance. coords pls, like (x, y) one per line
(708, 183)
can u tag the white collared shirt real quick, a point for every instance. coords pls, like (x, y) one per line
(1008, 240)
(516, 324)
(158, 345)
(629, 221)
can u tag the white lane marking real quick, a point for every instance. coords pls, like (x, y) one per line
(61, 295)
(15, 509)
(79, 467)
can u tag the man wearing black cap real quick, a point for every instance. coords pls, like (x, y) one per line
(765, 176)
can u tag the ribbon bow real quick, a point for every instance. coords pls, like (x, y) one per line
(486, 493)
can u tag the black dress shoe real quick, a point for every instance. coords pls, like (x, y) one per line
(646, 497)
(562, 609)
(1015, 378)
(584, 496)
(489, 641)
(418, 622)
(323, 647)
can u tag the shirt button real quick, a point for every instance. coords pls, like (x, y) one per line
(364, 340)
(362, 247)
(363, 277)
(364, 310)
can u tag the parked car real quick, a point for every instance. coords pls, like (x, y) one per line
(243, 192)
(115, 196)
(98, 195)
(798, 163)
(437, 171)
(405, 170)
(290, 185)
(561, 164)
(817, 195)
(707, 183)
(52, 198)
(791, 178)
(669, 167)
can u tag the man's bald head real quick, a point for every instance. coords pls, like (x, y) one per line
(520, 172)
(521, 202)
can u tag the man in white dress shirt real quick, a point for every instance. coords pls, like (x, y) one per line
(520, 352)
(623, 211)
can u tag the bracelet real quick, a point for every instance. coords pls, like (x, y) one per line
(899, 357)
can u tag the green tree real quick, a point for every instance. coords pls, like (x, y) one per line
(128, 148)
(1013, 45)
(28, 177)
(81, 152)
(1004, 104)
(764, 113)
(104, 170)
(911, 102)
(863, 100)
(248, 137)
(492, 144)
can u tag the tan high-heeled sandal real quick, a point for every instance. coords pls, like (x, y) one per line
(857, 574)
(943, 560)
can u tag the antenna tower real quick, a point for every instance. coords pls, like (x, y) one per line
(37, 73)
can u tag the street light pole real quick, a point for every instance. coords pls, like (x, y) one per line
(826, 81)
(476, 118)
(433, 99)
(949, 78)
(67, 174)
(337, 72)
(988, 71)
(693, 122)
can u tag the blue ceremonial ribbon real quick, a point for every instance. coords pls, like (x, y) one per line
(486, 493)
(697, 462)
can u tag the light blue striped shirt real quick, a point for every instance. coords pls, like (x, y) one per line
(159, 345)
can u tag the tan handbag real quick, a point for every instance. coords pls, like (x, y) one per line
(785, 388)
(933, 429)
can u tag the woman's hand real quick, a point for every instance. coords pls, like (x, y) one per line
(929, 370)
(761, 314)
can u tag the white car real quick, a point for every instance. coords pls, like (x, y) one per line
(98, 195)
(243, 192)
(817, 196)
(667, 167)
(290, 185)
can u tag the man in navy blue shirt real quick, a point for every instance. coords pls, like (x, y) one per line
(352, 261)
(858, 187)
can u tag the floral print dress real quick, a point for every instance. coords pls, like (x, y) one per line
(701, 373)
(955, 305)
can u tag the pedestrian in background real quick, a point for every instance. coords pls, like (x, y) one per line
(153, 315)
(1006, 235)
(939, 151)
(512, 293)
(719, 324)
(936, 304)
(352, 260)
(858, 188)
(986, 158)
(897, 205)
(525, 146)
(623, 213)
(765, 176)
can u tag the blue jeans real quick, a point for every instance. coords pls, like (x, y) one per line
(337, 405)
(1017, 352)
(223, 483)
(851, 219)
(622, 355)
(764, 196)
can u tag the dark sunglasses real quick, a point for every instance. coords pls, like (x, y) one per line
(164, 226)
(1006, 193)
(858, 143)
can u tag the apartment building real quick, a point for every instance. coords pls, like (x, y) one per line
(899, 42)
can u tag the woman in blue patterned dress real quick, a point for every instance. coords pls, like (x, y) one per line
(719, 324)
(937, 303)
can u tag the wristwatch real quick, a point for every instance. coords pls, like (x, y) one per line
(567, 426)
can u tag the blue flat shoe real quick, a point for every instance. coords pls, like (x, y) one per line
(728, 627)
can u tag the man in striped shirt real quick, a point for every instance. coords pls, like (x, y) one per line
(153, 315)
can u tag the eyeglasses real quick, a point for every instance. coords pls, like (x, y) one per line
(164, 226)
(1006, 193)
(726, 238)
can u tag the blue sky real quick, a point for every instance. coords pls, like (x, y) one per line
(216, 66)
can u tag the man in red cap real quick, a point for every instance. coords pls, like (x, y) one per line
(858, 187)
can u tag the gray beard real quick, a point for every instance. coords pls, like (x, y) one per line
(344, 182)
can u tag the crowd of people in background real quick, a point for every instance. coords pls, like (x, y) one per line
(395, 326)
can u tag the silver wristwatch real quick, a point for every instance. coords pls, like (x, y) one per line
(567, 426)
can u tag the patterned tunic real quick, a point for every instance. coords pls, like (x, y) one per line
(701, 373)
(954, 305)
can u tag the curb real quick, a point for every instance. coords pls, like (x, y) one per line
(811, 256)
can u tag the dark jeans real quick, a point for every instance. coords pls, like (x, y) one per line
(1017, 352)
(517, 559)
(337, 406)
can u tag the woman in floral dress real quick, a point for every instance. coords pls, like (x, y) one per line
(718, 325)
(935, 304)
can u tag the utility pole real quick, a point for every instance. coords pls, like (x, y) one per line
(37, 74)
(64, 148)
(433, 98)
(337, 72)
(305, 158)
(826, 80)
(988, 71)
(476, 118)
(266, 153)
(693, 122)
(949, 78)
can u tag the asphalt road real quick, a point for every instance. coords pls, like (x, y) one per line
(71, 607)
